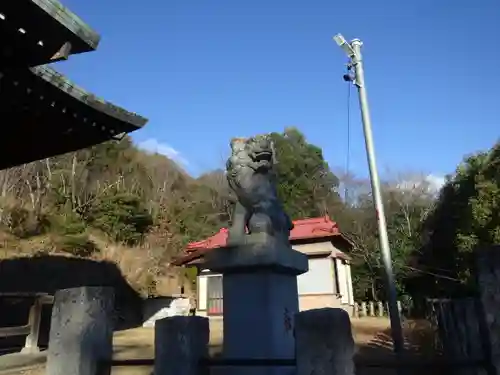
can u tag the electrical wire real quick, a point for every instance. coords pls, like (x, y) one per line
(348, 156)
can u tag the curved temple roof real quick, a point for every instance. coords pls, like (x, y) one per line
(303, 230)
(35, 32)
(45, 114)
(70, 21)
(64, 84)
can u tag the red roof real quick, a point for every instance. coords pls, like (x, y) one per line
(320, 227)
(302, 229)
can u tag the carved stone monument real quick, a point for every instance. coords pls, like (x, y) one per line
(251, 176)
(259, 266)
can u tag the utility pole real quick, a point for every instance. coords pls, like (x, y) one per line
(353, 51)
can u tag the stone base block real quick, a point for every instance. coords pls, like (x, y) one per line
(81, 331)
(324, 342)
(180, 343)
(259, 252)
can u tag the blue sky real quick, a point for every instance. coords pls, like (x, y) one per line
(204, 71)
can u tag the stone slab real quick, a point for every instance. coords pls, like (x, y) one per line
(81, 330)
(180, 343)
(324, 342)
(260, 252)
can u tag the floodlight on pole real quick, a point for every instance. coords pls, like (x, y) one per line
(345, 45)
(353, 51)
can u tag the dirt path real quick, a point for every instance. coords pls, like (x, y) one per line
(371, 336)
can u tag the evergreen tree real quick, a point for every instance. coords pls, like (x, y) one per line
(307, 186)
(466, 217)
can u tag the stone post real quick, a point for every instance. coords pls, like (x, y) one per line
(356, 310)
(380, 308)
(488, 280)
(260, 300)
(35, 316)
(363, 309)
(81, 331)
(371, 308)
(324, 343)
(180, 343)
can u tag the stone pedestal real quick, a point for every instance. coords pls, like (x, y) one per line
(81, 331)
(180, 343)
(260, 300)
(324, 342)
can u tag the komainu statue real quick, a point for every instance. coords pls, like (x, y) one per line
(251, 176)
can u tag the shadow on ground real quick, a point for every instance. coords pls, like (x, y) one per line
(377, 356)
(47, 274)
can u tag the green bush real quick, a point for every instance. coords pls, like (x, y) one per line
(77, 244)
(68, 223)
(121, 216)
(24, 223)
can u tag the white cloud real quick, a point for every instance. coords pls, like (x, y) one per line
(431, 183)
(152, 145)
(435, 182)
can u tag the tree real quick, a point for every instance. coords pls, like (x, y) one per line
(307, 186)
(405, 209)
(122, 216)
(466, 216)
(111, 201)
(151, 205)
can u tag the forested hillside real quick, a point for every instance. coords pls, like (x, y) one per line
(115, 202)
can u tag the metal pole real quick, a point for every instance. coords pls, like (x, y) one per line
(396, 330)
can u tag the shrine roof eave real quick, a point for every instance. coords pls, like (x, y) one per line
(133, 120)
(52, 17)
(49, 115)
(70, 21)
(35, 32)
